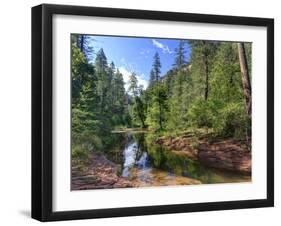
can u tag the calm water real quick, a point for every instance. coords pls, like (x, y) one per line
(141, 160)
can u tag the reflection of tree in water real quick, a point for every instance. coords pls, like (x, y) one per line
(168, 160)
(120, 141)
(138, 156)
(141, 145)
(135, 154)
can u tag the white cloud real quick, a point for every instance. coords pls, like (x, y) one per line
(159, 45)
(126, 76)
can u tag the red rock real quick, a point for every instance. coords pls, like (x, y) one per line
(101, 173)
(228, 156)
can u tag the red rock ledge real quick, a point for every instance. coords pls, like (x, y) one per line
(227, 155)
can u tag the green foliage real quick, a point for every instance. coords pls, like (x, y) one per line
(225, 77)
(133, 85)
(98, 102)
(80, 154)
(139, 105)
(180, 54)
(202, 63)
(81, 72)
(152, 76)
(158, 107)
(119, 109)
(200, 114)
(229, 117)
(179, 100)
(82, 42)
(205, 93)
(156, 67)
(233, 122)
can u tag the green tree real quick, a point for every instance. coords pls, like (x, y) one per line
(156, 113)
(82, 42)
(138, 106)
(152, 76)
(104, 81)
(119, 107)
(203, 54)
(86, 126)
(157, 105)
(156, 67)
(180, 54)
(133, 84)
(179, 100)
(226, 96)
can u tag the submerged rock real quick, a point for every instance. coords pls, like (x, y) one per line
(157, 177)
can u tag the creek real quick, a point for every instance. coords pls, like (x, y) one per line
(140, 159)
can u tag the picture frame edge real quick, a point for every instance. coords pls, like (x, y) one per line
(41, 48)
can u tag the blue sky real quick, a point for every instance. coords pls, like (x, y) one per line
(136, 54)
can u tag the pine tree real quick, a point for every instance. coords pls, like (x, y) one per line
(203, 54)
(133, 84)
(138, 108)
(157, 110)
(81, 71)
(157, 106)
(152, 76)
(118, 99)
(104, 80)
(120, 90)
(112, 89)
(156, 67)
(180, 55)
(86, 126)
(179, 101)
(82, 42)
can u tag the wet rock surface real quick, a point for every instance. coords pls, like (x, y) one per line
(227, 155)
(182, 145)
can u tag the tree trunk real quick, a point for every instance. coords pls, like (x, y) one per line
(245, 78)
(206, 64)
(206, 76)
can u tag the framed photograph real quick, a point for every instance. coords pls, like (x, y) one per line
(145, 112)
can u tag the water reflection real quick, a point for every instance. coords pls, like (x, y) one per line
(150, 164)
(129, 158)
(135, 155)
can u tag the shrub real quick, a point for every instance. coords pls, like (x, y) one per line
(232, 121)
(200, 114)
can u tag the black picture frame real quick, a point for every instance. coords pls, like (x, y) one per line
(42, 84)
